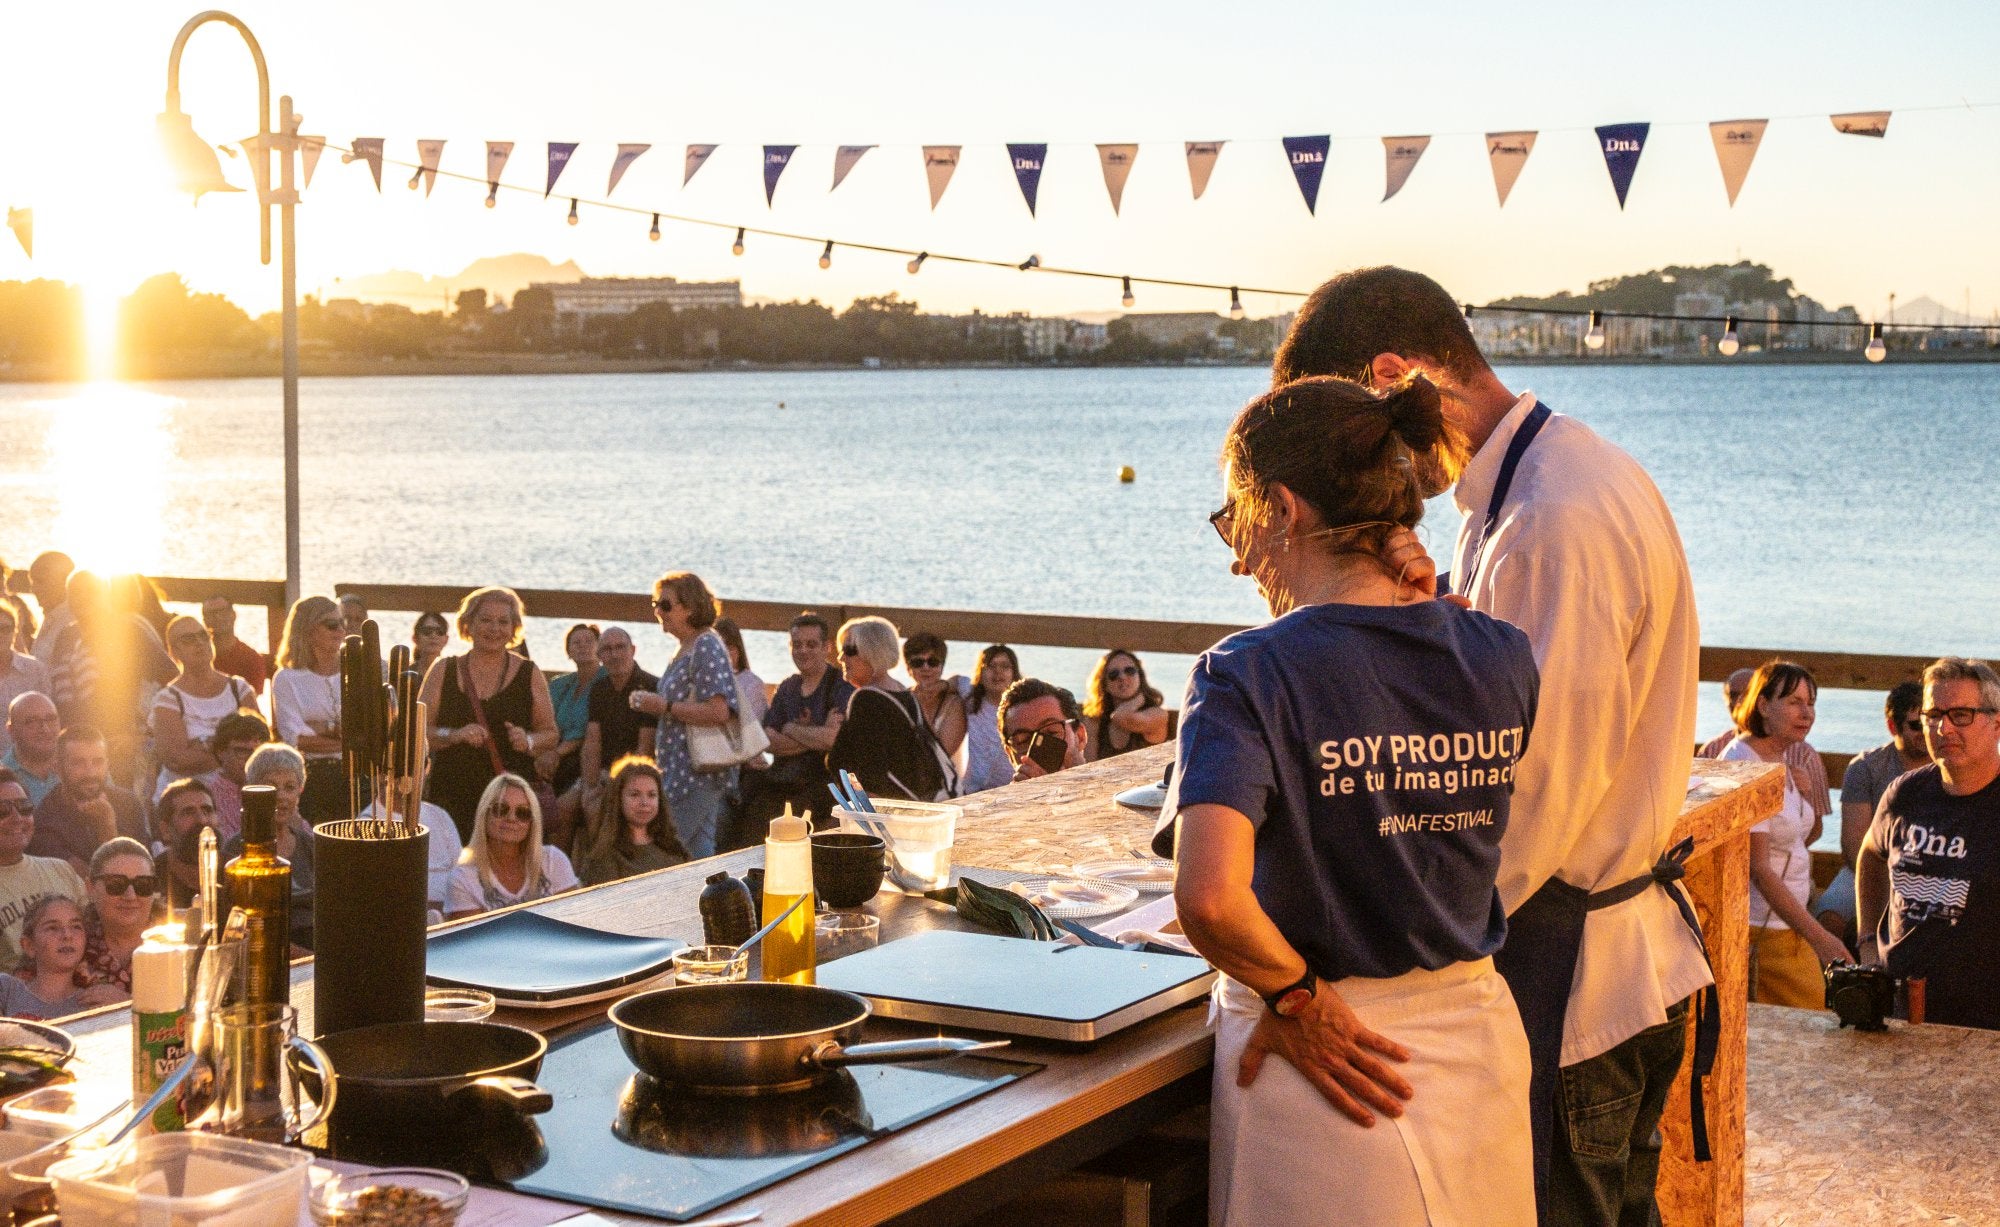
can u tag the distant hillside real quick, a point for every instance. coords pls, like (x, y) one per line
(1655, 291)
(500, 276)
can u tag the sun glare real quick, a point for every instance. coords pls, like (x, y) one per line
(109, 449)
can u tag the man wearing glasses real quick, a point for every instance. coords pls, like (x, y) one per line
(1928, 877)
(1043, 728)
(24, 879)
(1861, 789)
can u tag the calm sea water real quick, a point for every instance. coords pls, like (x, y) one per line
(1822, 506)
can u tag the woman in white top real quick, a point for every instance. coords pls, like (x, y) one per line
(505, 861)
(1788, 945)
(305, 703)
(986, 762)
(187, 709)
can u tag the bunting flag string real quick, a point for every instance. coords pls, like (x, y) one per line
(697, 156)
(1402, 153)
(429, 154)
(1117, 162)
(776, 158)
(310, 147)
(940, 164)
(497, 153)
(560, 153)
(369, 149)
(844, 159)
(1307, 155)
(1201, 156)
(22, 223)
(1508, 152)
(1862, 123)
(1027, 161)
(628, 153)
(1622, 144)
(1736, 142)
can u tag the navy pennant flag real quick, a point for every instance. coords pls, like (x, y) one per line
(1307, 155)
(1736, 142)
(497, 153)
(368, 149)
(628, 153)
(1027, 160)
(22, 223)
(697, 155)
(1402, 153)
(844, 159)
(559, 154)
(776, 158)
(428, 154)
(1117, 162)
(1201, 156)
(1622, 144)
(1862, 123)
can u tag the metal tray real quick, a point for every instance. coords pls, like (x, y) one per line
(537, 961)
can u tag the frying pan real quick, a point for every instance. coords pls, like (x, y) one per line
(754, 1038)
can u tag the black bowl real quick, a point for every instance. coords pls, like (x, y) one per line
(847, 867)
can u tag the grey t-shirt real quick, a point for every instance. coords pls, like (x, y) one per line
(1870, 775)
(17, 1000)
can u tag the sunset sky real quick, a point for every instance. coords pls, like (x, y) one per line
(1851, 220)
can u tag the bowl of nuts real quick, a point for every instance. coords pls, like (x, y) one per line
(390, 1197)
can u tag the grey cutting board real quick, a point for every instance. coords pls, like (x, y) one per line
(1047, 990)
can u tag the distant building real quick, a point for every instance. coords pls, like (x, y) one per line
(1055, 337)
(576, 301)
(1174, 327)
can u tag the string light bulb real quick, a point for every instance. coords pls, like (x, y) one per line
(492, 197)
(1033, 261)
(1467, 308)
(1127, 299)
(572, 210)
(1235, 304)
(1728, 345)
(736, 248)
(654, 233)
(1595, 337)
(1878, 349)
(917, 261)
(826, 255)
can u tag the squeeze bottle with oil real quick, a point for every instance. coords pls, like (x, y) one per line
(788, 875)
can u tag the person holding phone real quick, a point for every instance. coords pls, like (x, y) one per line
(1043, 728)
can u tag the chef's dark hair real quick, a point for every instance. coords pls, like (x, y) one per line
(1357, 315)
(1344, 449)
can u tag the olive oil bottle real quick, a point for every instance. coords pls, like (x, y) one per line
(260, 882)
(788, 874)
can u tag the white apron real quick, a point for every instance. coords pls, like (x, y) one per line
(1282, 1156)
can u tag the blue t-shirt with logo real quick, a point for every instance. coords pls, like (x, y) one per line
(1373, 747)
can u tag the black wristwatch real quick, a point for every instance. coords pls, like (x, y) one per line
(1291, 1001)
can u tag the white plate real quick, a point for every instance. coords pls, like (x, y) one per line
(1145, 796)
(1150, 876)
(1074, 898)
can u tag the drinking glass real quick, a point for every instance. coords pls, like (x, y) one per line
(258, 1055)
(843, 933)
(711, 965)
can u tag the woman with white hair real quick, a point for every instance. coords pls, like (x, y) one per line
(885, 740)
(505, 862)
(284, 769)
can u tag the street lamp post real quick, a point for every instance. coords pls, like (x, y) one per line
(199, 171)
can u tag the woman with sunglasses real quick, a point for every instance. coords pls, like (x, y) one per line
(884, 740)
(124, 891)
(1123, 712)
(940, 698)
(429, 637)
(505, 862)
(50, 981)
(1789, 947)
(631, 833)
(305, 702)
(188, 709)
(698, 687)
(987, 764)
(1345, 773)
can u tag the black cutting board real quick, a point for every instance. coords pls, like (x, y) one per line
(526, 957)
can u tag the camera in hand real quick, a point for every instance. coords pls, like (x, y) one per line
(1863, 997)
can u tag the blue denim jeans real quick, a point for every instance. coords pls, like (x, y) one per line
(697, 816)
(1605, 1160)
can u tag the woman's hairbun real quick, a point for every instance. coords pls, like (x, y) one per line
(1416, 412)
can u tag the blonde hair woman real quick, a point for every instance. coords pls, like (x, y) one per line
(305, 702)
(490, 711)
(505, 861)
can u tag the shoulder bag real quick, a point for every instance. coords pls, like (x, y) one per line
(718, 747)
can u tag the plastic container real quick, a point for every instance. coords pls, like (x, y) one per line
(920, 838)
(184, 1179)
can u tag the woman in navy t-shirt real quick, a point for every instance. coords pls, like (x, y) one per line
(1344, 779)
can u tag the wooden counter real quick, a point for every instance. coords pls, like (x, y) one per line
(1083, 1101)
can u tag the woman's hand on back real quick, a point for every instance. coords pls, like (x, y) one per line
(1330, 1047)
(1416, 571)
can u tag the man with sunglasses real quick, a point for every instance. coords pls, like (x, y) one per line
(1861, 789)
(1927, 881)
(24, 879)
(1043, 728)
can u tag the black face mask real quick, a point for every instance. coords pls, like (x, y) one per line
(1048, 751)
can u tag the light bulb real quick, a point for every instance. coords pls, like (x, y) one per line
(1877, 349)
(917, 261)
(654, 233)
(1728, 345)
(736, 248)
(1034, 261)
(572, 210)
(493, 198)
(1595, 337)
(1128, 300)
(1235, 304)
(826, 256)
(1467, 308)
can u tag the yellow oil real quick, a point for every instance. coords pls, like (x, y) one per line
(788, 949)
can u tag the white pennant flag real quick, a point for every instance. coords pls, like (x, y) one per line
(428, 153)
(310, 147)
(1117, 161)
(844, 159)
(628, 153)
(497, 153)
(1402, 153)
(1508, 151)
(1201, 156)
(22, 223)
(1862, 123)
(696, 155)
(940, 163)
(1736, 142)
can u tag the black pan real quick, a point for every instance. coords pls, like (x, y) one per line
(755, 1038)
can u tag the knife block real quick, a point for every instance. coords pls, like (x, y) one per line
(369, 902)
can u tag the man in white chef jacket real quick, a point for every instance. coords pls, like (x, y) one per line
(1581, 552)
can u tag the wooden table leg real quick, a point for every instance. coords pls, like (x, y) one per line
(1712, 1193)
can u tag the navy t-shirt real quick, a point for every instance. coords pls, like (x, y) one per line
(1943, 918)
(1373, 747)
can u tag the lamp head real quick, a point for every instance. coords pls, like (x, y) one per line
(196, 169)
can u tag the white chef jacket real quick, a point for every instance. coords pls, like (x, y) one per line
(1585, 558)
